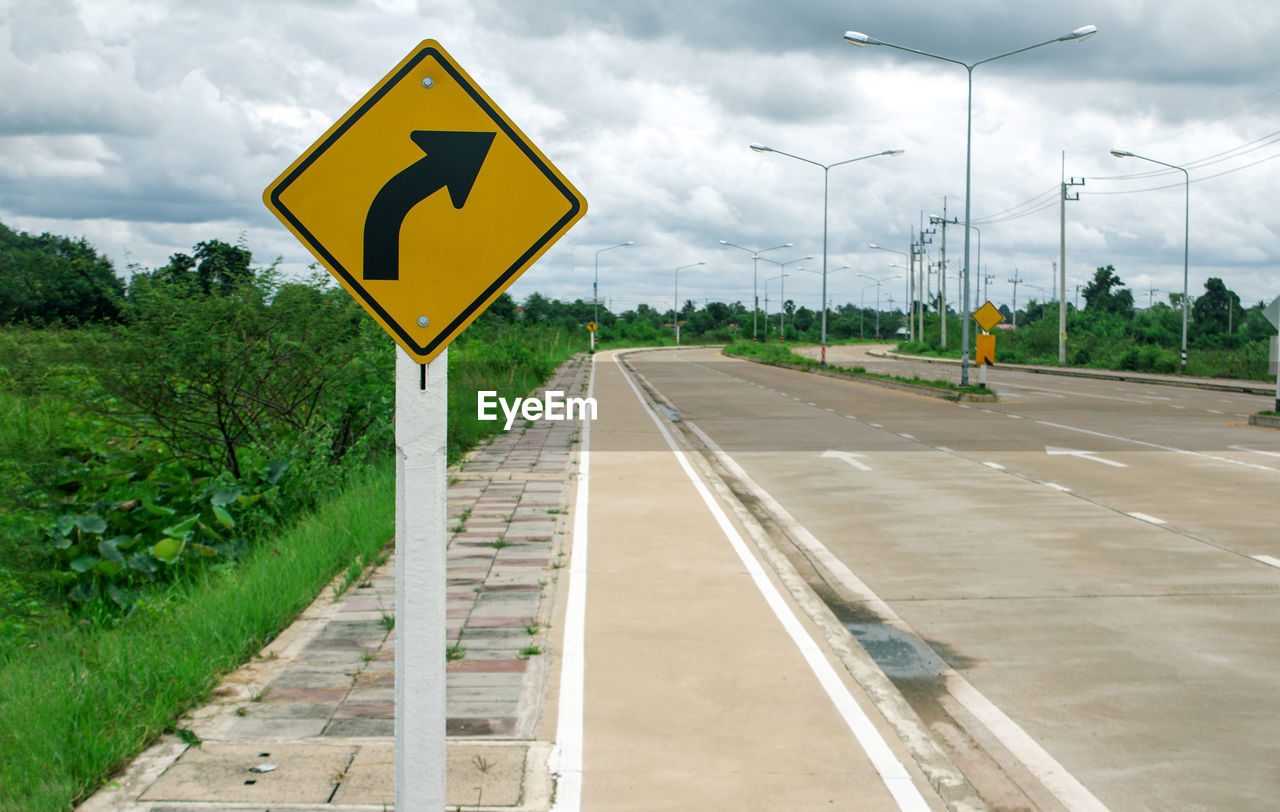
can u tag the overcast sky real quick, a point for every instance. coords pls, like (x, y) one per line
(149, 126)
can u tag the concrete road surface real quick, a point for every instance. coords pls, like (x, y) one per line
(1077, 587)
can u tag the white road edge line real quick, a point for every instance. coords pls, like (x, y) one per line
(1269, 560)
(1144, 517)
(565, 761)
(1053, 776)
(1253, 450)
(894, 775)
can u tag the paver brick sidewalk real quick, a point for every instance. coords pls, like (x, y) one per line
(318, 703)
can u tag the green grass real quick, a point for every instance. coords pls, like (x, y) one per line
(779, 354)
(84, 702)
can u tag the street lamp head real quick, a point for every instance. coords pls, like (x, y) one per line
(761, 148)
(629, 242)
(1081, 33)
(1119, 153)
(893, 152)
(872, 245)
(724, 242)
(859, 39)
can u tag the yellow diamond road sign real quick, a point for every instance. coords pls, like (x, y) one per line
(987, 317)
(425, 201)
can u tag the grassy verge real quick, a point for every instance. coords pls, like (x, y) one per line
(778, 354)
(81, 704)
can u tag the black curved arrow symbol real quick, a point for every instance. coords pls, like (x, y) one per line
(453, 160)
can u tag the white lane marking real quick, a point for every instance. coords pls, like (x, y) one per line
(1057, 487)
(1155, 397)
(1213, 411)
(875, 425)
(1157, 445)
(962, 406)
(852, 416)
(894, 775)
(1269, 560)
(807, 403)
(1052, 775)
(944, 448)
(1253, 450)
(1054, 451)
(1176, 406)
(565, 760)
(907, 436)
(1144, 517)
(1014, 416)
(833, 411)
(847, 456)
(994, 465)
(1068, 393)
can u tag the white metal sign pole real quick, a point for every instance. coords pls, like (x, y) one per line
(421, 408)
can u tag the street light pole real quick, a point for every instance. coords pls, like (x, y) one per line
(782, 292)
(755, 276)
(877, 284)
(826, 175)
(766, 301)
(860, 39)
(910, 277)
(595, 289)
(676, 307)
(1186, 239)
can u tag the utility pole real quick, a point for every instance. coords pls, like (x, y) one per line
(926, 238)
(1062, 258)
(1015, 280)
(911, 285)
(986, 278)
(942, 270)
(1151, 295)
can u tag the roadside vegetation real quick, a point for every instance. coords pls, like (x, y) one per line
(185, 460)
(1225, 340)
(780, 354)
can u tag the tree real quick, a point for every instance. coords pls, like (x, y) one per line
(1218, 310)
(51, 279)
(1100, 297)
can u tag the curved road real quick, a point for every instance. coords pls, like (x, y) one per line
(1078, 587)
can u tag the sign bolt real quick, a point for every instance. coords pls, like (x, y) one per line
(423, 321)
(427, 81)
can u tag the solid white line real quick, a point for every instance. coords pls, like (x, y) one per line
(565, 761)
(1144, 517)
(894, 775)
(1052, 775)
(1269, 560)
(1253, 450)
(1157, 445)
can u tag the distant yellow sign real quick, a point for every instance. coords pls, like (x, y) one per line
(987, 316)
(364, 200)
(984, 349)
(591, 326)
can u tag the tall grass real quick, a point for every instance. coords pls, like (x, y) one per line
(82, 703)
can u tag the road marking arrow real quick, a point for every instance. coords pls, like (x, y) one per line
(847, 456)
(1054, 451)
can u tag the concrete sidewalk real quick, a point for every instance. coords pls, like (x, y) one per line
(318, 702)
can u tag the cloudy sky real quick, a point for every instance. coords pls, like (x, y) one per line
(149, 126)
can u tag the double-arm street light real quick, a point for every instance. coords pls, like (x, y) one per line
(1186, 238)
(755, 276)
(766, 301)
(595, 289)
(910, 282)
(833, 270)
(676, 297)
(860, 39)
(782, 291)
(826, 185)
(877, 283)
